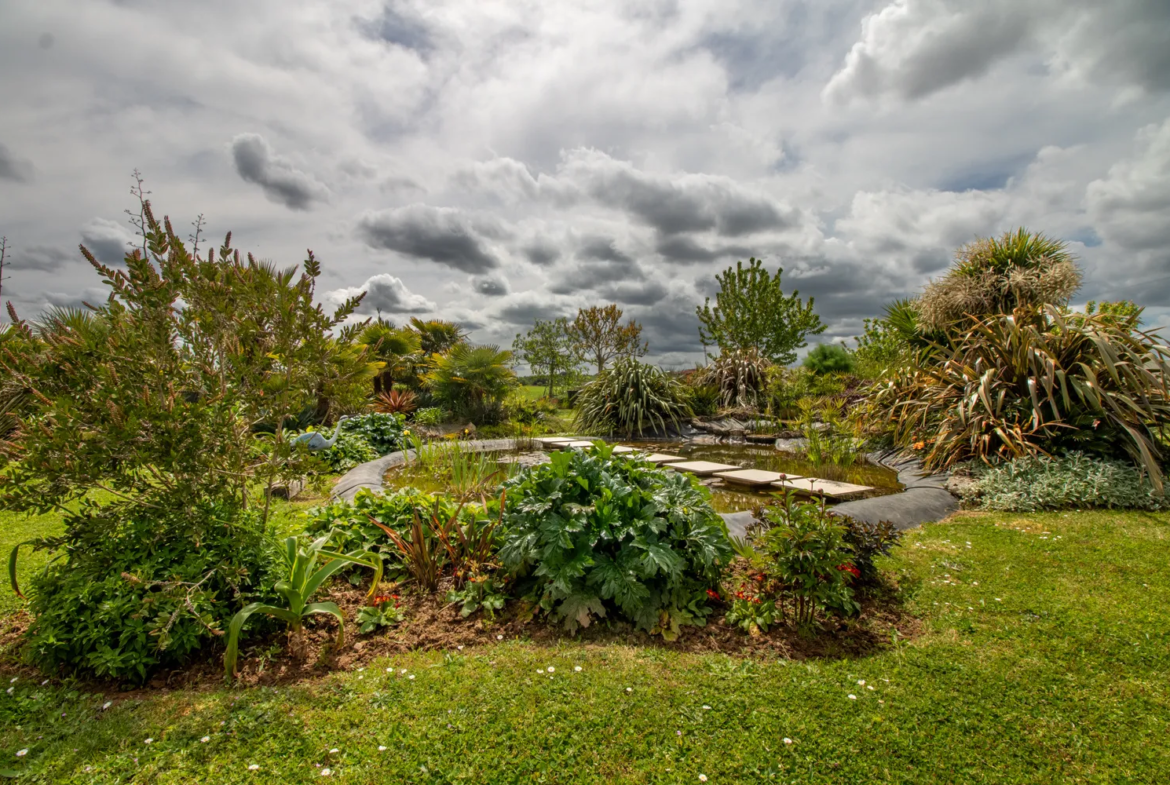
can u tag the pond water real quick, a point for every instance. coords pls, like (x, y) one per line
(725, 498)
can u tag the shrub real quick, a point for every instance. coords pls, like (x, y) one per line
(829, 358)
(383, 432)
(352, 528)
(704, 400)
(868, 541)
(154, 398)
(787, 387)
(740, 375)
(521, 409)
(589, 534)
(1073, 481)
(805, 550)
(472, 381)
(1036, 382)
(630, 398)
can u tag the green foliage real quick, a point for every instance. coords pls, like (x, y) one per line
(1032, 383)
(472, 381)
(397, 349)
(550, 350)
(519, 408)
(351, 450)
(378, 615)
(829, 358)
(789, 387)
(437, 336)
(805, 549)
(994, 276)
(868, 541)
(383, 432)
(752, 312)
(299, 584)
(351, 527)
(430, 415)
(589, 533)
(752, 614)
(630, 398)
(482, 592)
(599, 335)
(828, 437)
(156, 398)
(740, 376)
(704, 399)
(1073, 481)
(143, 597)
(1124, 312)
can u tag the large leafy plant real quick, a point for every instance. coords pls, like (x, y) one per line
(589, 534)
(740, 375)
(382, 431)
(472, 381)
(631, 397)
(301, 581)
(1034, 382)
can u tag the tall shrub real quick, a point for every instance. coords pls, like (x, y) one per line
(631, 397)
(144, 436)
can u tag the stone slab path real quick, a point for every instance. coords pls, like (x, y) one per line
(700, 468)
(754, 477)
(813, 486)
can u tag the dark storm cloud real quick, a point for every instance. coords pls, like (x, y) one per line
(542, 252)
(670, 326)
(14, 167)
(684, 249)
(93, 296)
(633, 292)
(689, 203)
(491, 286)
(42, 258)
(602, 249)
(526, 310)
(441, 234)
(256, 162)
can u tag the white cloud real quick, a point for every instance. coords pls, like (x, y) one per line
(384, 293)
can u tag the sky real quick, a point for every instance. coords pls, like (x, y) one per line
(493, 163)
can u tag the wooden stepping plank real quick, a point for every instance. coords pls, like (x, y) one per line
(811, 485)
(659, 457)
(755, 477)
(700, 468)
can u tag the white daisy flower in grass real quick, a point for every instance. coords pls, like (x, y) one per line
(10, 690)
(551, 669)
(21, 753)
(852, 697)
(205, 739)
(707, 708)
(861, 682)
(13, 680)
(499, 637)
(629, 689)
(381, 748)
(577, 669)
(334, 751)
(149, 741)
(253, 767)
(107, 705)
(411, 677)
(702, 778)
(326, 772)
(787, 741)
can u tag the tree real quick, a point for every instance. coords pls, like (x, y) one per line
(752, 312)
(437, 336)
(397, 348)
(829, 358)
(472, 381)
(550, 350)
(600, 335)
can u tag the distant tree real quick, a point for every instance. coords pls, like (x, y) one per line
(437, 336)
(752, 312)
(397, 348)
(550, 350)
(829, 358)
(600, 335)
(1123, 312)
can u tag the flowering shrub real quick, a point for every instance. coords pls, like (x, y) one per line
(590, 533)
(383, 611)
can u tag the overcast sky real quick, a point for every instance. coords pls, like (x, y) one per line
(497, 162)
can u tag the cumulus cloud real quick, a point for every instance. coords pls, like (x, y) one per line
(383, 293)
(912, 48)
(14, 167)
(541, 251)
(1131, 204)
(491, 285)
(107, 240)
(92, 295)
(444, 235)
(256, 162)
(41, 258)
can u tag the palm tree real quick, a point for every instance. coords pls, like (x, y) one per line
(472, 381)
(437, 336)
(398, 348)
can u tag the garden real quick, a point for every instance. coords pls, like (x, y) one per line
(536, 579)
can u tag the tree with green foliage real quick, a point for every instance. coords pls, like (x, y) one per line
(600, 335)
(550, 350)
(437, 336)
(147, 434)
(398, 349)
(752, 312)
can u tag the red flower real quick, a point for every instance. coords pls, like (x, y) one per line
(849, 568)
(713, 594)
(382, 599)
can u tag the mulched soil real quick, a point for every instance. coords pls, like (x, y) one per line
(431, 624)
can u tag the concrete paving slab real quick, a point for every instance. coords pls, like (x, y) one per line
(754, 477)
(701, 468)
(580, 444)
(660, 457)
(620, 449)
(811, 485)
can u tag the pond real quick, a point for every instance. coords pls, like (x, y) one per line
(437, 473)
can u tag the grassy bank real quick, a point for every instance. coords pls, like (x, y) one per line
(1043, 656)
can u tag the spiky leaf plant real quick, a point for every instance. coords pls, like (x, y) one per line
(741, 377)
(1036, 382)
(630, 398)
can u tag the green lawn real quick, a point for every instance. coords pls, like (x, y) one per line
(1043, 656)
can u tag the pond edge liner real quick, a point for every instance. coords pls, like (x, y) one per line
(924, 498)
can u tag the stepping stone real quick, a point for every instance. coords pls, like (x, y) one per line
(555, 439)
(700, 468)
(755, 477)
(811, 485)
(659, 458)
(580, 444)
(622, 449)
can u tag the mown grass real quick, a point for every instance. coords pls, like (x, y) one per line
(1043, 657)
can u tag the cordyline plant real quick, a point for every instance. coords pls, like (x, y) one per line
(1033, 382)
(163, 410)
(740, 375)
(630, 398)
